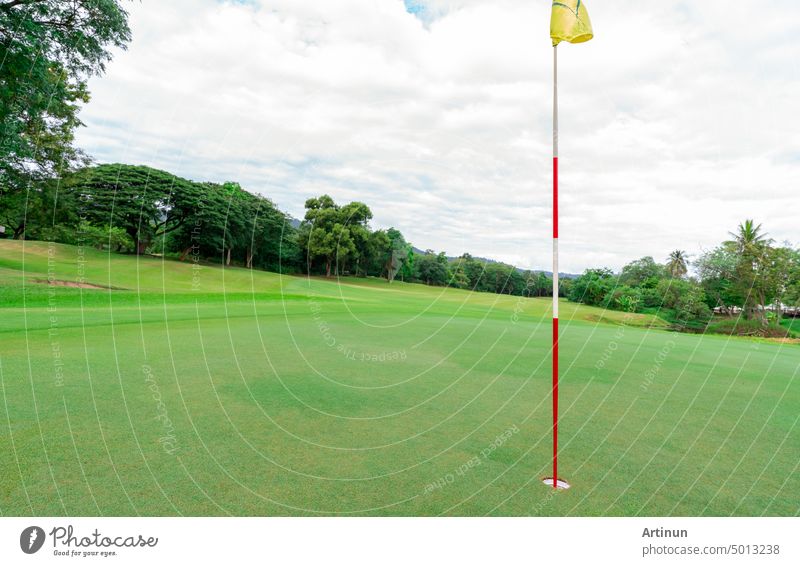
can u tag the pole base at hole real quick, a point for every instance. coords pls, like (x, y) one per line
(560, 484)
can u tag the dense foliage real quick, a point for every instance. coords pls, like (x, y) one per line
(742, 286)
(48, 50)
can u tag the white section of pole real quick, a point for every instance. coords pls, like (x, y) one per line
(555, 101)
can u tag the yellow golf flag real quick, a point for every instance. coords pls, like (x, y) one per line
(569, 21)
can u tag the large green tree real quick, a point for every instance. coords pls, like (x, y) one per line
(643, 272)
(48, 50)
(379, 252)
(270, 243)
(327, 234)
(431, 268)
(147, 203)
(473, 270)
(230, 224)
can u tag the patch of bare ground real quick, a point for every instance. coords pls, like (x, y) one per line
(75, 284)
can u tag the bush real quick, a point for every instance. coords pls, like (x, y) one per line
(60, 233)
(592, 287)
(651, 298)
(115, 239)
(625, 298)
(747, 327)
(691, 307)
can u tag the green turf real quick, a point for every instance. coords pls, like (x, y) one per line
(793, 324)
(203, 391)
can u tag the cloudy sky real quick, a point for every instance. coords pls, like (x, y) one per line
(679, 120)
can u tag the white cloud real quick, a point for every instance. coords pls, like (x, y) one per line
(678, 121)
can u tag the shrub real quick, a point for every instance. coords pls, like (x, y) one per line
(60, 233)
(592, 287)
(739, 326)
(691, 306)
(625, 298)
(651, 298)
(116, 239)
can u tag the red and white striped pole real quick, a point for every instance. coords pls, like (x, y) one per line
(555, 267)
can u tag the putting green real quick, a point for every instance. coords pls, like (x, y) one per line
(196, 390)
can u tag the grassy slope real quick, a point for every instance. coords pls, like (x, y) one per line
(297, 396)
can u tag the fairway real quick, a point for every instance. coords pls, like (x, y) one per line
(181, 389)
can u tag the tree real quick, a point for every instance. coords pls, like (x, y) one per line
(503, 279)
(147, 203)
(16, 209)
(31, 213)
(401, 260)
(239, 212)
(791, 295)
(676, 264)
(270, 242)
(776, 271)
(752, 249)
(474, 271)
(592, 286)
(690, 307)
(458, 275)
(686, 300)
(49, 49)
(544, 285)
(643, 272)
(203, 233)
(378, 252)
(431, 269)
(356, 216)
(564, 287)
(228, 223)
(717, 271)
(327, 232)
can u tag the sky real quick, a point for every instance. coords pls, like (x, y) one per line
(677, 121)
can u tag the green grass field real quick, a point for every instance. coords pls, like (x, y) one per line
(196, 390)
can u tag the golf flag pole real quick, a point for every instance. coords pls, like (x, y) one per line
(555, 267)
(569, 21)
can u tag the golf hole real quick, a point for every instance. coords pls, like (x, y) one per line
(560, 484)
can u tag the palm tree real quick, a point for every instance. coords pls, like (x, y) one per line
(751, 247)
(748, 238)
(676, 264)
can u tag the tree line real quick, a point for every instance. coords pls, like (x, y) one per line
(746, 281)
(138, 209)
